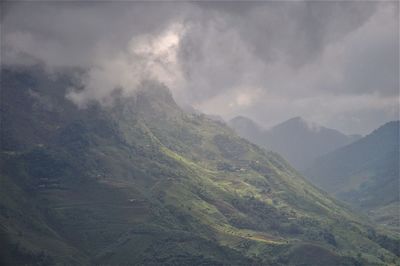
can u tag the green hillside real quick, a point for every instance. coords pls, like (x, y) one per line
(143, 183)
(365, 174)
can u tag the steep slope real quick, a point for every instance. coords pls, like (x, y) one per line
(144, 183)
(365, 173)
(247, 128)
(297, 140)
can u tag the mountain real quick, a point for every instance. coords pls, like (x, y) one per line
(191, 110)
(365, 173)
(297, 140)
(142, 182)
(247, 128)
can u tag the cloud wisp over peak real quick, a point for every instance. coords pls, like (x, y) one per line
(335, 63)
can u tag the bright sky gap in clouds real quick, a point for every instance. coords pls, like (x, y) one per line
(335, 63)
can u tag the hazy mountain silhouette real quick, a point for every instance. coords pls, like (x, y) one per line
(297, 140)
(365, 173)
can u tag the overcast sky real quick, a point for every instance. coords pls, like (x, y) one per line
(334, 63)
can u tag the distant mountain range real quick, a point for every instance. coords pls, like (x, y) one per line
(365, 174)
(362, 171)
(297, 140)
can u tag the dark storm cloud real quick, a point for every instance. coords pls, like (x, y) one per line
(333, 62)
(267, 60)
(72, 31)
(299, 29)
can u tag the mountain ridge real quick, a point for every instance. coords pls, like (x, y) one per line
(142, 181)
(298, 140)
(364, 173)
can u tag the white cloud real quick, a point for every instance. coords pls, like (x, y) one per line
(146, 57)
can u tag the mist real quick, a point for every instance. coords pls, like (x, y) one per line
(334, 63)
(199, 133)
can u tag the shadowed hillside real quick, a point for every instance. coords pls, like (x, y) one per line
(365, 174)
(143, 183)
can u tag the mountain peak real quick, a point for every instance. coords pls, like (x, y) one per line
(155, 90)
(298, 123)
(247, 128)
(241, 118)
(296, 118)
(298, 140)
(242, 122)
(390, 124)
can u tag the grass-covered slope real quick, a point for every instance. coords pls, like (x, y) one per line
(365, 173)
(143, 183)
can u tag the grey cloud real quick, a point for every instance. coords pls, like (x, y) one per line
(263, 33)
(300, 30)
(72, 31)
(268, 60)
(326, 61)
(372, 62)
(215, 58)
